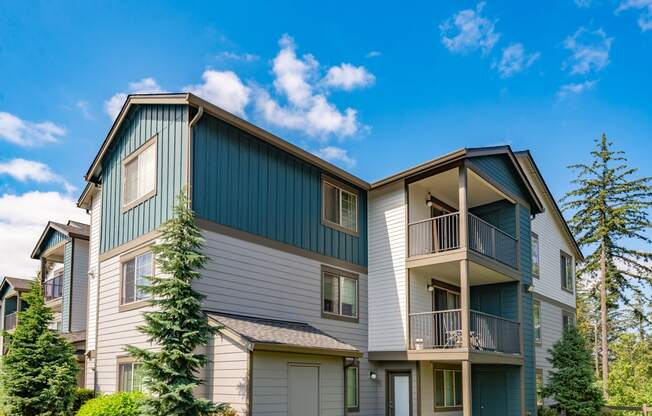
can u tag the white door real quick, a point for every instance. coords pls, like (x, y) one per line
(303, 390)
(399, 394)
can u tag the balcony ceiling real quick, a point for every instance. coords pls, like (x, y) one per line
(450, 273)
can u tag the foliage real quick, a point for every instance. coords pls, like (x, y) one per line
(610, 210)
(119, 404)
(547, 411)
(81, 397)
(177, 323)
(572, 382)
(226, 411)
(39, 372)
(630, 379)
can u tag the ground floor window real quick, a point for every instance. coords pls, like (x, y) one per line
(448, 388)
(352, 388)
(539, 380)
(129, 377)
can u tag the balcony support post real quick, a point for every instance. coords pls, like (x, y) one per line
(465, 302)
(466, 388)
(463, 207)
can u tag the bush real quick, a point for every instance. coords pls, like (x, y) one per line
(226, 411)
(81, 397)
(547, 411)
(119, 404)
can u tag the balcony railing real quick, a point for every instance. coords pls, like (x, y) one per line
(434, 235)
(439, 234)
(491, 241)
(10, 321)
(53, 288)
(443, 330)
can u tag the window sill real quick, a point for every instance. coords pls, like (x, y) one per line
(338, 227)
(138, 201)
(133, 305)
(339, 317)
(568, 290)
(448, 408)
(352, 409)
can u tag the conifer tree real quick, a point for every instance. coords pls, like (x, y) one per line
(39, 371)
(610, 211)
(572, 382)
(177, 324)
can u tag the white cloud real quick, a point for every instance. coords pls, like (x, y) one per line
(348, 77)
(373, 54)
(245, 57)
(514, 60)
(145, 86)
(29, 170)
(224, 89)
(589, 51)
(26, 133)
(336, 155)
(569, 90)
(85, 109)
(468, 31)
(297, 80)
(22, 219)
(645, 8)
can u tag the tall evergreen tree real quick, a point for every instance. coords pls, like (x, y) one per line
(39, 371)
(177, 324)
(610, 210)
(572, 382)
(630, 379)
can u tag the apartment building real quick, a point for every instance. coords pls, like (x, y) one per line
(413, 295)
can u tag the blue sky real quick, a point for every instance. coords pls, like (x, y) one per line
(373, 87)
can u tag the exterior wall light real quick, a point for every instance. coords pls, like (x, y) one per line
(373, 376)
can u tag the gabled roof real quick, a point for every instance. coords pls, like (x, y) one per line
(193, 100)
(465, 153)
(18, 284)
(526, 157)
(266, 334)
(72, 229)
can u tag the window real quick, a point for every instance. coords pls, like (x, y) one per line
(536, 317)
(539, 381)
(340, 207)
(139, 180)
(535, 255)
(134, 272)
(444, 299)
(448, 388)
(567, 319)
(566, 272)
(339, 293)
(352, 388)
(129, 377)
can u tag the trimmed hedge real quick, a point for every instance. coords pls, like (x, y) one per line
(119, 404)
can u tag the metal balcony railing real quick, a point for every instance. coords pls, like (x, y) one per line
(443, 330)
(491, 241)
(10, 321)
(53, 288)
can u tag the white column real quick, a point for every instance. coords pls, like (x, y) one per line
(466, 388)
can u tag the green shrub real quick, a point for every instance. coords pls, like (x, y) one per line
(81, 397)
(226, 411)
(547, 411)
(119, 404)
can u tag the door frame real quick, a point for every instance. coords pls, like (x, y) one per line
(389, 385)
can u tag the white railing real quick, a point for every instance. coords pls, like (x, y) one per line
(443, 329)
(10, 321)
(491, 241)
(434, 235)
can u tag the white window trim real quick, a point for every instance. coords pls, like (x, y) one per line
(127, 205)
(341, 189)
(121, 362)
(572, 272)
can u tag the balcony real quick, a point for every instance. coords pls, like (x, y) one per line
(53, 288)
(443, 330)
(442, 233)
(10, 321)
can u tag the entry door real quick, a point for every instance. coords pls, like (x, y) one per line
(489, 394)
(303, 390)
(398, 398)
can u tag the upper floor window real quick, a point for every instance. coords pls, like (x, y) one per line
(129, 376)
(448, 388)
(139, 177)
(566, 267)
(567, 319)
(537, 321)
(339, 294)
(535, 255)
(340, 206)
(134, 272)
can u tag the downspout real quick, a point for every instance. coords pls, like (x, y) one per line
(193, 122)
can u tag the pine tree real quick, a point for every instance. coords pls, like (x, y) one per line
(572, 382)
(609, 213)
(177, 324)
(39, 372)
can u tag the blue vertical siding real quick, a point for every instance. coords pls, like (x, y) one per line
(488, 383)
(170, 123)
(499, 299)
(501, 214)
(246, 183)
(53, 238)
(67, 288)
(500, 169)
(529, 370)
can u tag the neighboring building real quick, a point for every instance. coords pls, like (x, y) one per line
(554, 253)
(63, 252)
(409, 296)
(11, 302)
